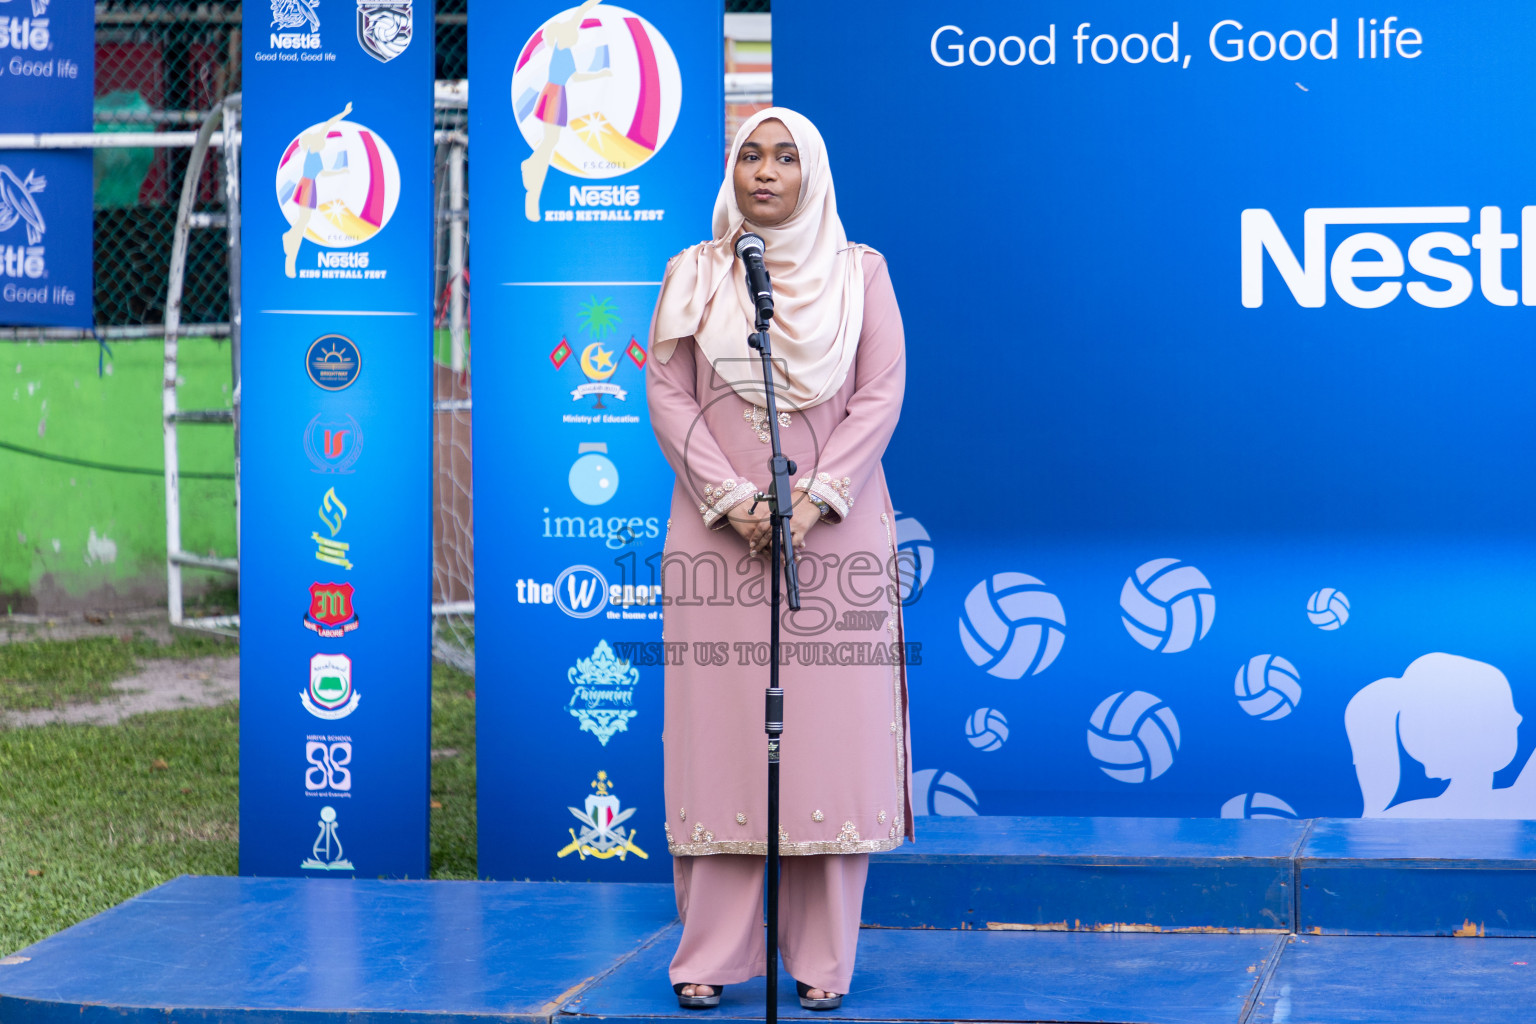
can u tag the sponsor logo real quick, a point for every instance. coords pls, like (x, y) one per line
(602, 693)
(580, 591)
(384, 28)
(605, 195)
(599, 360)
(594, 479)
(593, 133)
(614, 531)
(329, 550)
(328, 758)
(333, 443)
(1366, 267)
(295, 25)
(326, 854)
(337, 184)
(17, 206)
(602, 833)
(22, 33)
(333, 362)
(330, 610)
(330, 694)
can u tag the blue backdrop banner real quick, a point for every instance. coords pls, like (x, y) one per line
(335, 701)
(47, 63)
(1214, 471)
(597, 155)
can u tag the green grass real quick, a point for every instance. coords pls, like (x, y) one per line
(88, 808)
(103, 813)
(53, 673)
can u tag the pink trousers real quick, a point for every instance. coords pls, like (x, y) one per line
(720, 901)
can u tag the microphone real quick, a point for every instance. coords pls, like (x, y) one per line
(750, 249)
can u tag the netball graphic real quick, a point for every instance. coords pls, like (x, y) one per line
(338, 184)
(596, 92)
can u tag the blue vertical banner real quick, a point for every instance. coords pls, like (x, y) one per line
(597, 154)
(47, 66)
(1219, 322)
(335, 701)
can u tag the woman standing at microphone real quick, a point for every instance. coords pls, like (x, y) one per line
(840, 373)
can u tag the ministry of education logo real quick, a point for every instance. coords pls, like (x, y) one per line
(384, 28)
(602, 833)
(330, 694)
(602, 693)
(599, 358)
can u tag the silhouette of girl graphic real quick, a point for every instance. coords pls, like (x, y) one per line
(553, 106)
(1457, 718)
(304, 194)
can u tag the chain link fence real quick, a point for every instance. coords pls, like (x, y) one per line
(161, 68)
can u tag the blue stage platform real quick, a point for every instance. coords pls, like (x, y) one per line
(984, 919)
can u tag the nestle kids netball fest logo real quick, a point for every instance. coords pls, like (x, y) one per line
(596, 92)
(338, 185)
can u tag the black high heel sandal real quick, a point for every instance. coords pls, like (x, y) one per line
(824, 1003)
(697, 1002)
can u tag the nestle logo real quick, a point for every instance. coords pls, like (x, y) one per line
(295, 41)
(605, 195)
(1365, 266)
(332, 260)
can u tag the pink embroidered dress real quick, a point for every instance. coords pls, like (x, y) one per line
(845, 780)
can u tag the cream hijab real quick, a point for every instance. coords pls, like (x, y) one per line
(818, 285)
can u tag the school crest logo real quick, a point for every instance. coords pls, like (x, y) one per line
(384, 28)
(330, 694)
(602, 833)
(333, 443)
(331, 614)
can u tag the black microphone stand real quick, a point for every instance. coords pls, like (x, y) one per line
(780, 510)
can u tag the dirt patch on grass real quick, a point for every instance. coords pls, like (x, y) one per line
(161, 685)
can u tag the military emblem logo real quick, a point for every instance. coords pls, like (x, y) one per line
(330, 694)
(331, 614)
(602, 693)
(602, 833)
(384, 28)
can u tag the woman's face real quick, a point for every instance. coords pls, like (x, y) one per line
(767, 175)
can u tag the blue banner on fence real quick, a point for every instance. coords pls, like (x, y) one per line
(336, 430)
(597, 155)
(47, 60)
(1214, 465)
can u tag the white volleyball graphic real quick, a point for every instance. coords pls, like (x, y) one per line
(1012, 625)
(1257, 805)
(1168, 605)
(943, 793)
(914, 558)
(1268, 687)
(1328, 608)
(1133, 736)
(987, 729)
